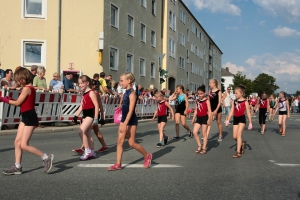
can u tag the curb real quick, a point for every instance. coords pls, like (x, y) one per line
(59, 129)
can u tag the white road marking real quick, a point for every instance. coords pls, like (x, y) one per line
(272, 161)
(287, 165)
(129, 165)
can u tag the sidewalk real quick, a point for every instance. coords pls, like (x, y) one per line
(53, 129)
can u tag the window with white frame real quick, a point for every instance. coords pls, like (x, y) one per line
(142, 67)
(192, 47)
(197, 32)
(181, 39)
(201, 37)
(143, 33)
(172, 20)
(153, 39)
(154, 7)
(181, 82)
(130, 25)
(129, 63)
(201, 54)
(181, 63)
(34, 53)
(113, 58)
(193, 28)
(171, 48)
(152, 70)
(196, 50)
(182, 16)
(144, 3)
(188, 35)
(34, 8)
(114, 16)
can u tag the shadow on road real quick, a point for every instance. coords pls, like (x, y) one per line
(247, 146)
(8, 149)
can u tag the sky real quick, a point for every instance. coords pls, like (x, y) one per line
(255, 36)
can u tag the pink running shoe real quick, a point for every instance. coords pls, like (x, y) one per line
(103, 149)
(147, 160)
(79, 151)
(115, 167)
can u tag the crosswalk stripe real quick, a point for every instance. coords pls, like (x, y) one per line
(130, 165)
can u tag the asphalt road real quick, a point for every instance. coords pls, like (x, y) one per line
(263, 172)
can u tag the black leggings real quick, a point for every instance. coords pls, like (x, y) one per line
(262, 115)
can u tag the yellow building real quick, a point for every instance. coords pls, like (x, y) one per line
(113, 36)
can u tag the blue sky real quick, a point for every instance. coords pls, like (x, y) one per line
(256, 36)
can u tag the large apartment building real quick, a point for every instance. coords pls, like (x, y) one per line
(114, 36)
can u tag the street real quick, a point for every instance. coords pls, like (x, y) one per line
(265, 171)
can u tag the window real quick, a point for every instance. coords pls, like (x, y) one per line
(143, 33)
(130, 26)
(192, 47)
(152, 72)
(114, 16)
(172, 20)
(181, 63)
(34, 53)
(201, 37)
(171, 48)
(142, 67)
(188, 35)
(181, 82)
(144, 3)
(181, 39)
(197, 33)
(193, 27)
(182, 16)
(173, 1)
(129, 63)
(34, 8)
(113, 58)
(154, 7)
(153, 39)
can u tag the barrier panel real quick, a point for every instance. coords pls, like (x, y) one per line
(55, 107)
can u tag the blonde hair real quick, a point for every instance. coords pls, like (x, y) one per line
(86, 79)
(40, 70)
(159, 94)
(129, 76)
(56, 74)
(216, 82)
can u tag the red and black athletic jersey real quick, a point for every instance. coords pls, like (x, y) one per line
(201, 107)
(239, 108)
(161, 108)
(253, 102)
(263, 103)
(86, 101)
(29, 103)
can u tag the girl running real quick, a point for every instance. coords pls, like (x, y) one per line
(96, 129)
(284, 112)
(215, 97)
(90, 108)
(129, 122)
(238, 108)
(273, 105)
(29, 122)
(264, 106)
(161, 112)
(253, 102)
(203, 113)
(181, 110)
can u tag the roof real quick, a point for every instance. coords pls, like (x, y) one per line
(225, 72)
(200, 24)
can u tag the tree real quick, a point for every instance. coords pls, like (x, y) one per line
(240, 79)
(222, 85)
(297, 92)
(264, 83)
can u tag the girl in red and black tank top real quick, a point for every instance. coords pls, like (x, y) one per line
(96, 129)
(90, 108)
(161, 112)
(204, 117)
(238, 108)
(29, 122)
(264, 106)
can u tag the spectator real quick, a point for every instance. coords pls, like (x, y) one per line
(34, 70)
(7, 82)
(96, 83)
(69, 87)
(103, 86)
(56, 84)
(39, 81)
(108, 80)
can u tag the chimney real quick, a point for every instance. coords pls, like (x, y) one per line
(227, 69)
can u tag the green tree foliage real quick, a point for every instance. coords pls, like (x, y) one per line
(297, 92)
(264, 83)
(240, 79)
(222, 85)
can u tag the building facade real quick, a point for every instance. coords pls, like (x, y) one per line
(114, 36)
(228, 77)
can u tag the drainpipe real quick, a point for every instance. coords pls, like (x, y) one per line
(59, 36)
